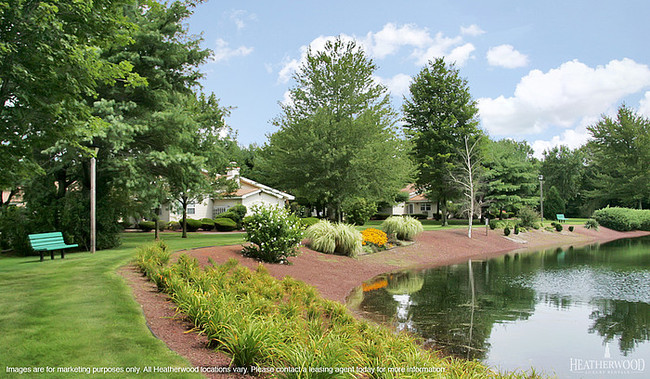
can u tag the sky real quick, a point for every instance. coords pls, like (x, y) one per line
(540, 71)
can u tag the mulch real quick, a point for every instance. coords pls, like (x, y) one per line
(336, 276)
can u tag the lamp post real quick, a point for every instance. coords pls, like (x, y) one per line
(93, 200)
(541, 196)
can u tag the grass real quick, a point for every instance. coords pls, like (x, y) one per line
(79, 312)
(459, 224)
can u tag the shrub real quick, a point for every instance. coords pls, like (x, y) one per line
(330, 238)
(275, 234)
(623, 219)
(571, 228)
(225, 224)
(528, 217)
(506, 231)
(493, 224)
(235, 213)
(308, 221)
(403, 228)
(147, 226)
(173, 225)
(591, 224)
(516, 229)
(420, 216)
(358, 210)
(207, 224)
(380, 216)
(559, 227)
(193, 225)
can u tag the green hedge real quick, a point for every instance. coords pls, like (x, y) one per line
(193, 225)
(623, 219)
(225, 224)
(207, 224)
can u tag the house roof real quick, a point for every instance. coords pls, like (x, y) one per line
(414, 195)
(243, 193)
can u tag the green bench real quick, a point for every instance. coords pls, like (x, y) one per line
(51, 242)
(560, 217)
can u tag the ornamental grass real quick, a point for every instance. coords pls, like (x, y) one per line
(334, 238)
(263, 322)
(403, 228)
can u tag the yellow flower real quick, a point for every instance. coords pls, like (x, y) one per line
(375, 237)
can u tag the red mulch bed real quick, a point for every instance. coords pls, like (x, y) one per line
(335, 276)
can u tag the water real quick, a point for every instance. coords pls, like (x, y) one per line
(582, 312)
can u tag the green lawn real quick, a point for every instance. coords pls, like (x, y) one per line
(79, 312)
(454, 224)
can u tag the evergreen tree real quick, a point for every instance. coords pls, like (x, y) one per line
(553, 203)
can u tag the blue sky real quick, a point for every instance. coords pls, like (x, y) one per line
(541, 71)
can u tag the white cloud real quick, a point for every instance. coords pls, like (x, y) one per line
(472, 30)
(573, 138)
(461, 54)
(241, 17)
(644, 105)
(563, 96)
(506, 56)
(398, 85)
(223, 52)
(391, 38)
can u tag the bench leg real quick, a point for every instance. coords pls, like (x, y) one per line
(41, 255)
(62, 255)
(51, 254)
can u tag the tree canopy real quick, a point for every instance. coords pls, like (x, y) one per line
(439, 113)
(620, 154)
(337, 137)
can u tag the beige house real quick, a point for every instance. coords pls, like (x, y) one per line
(249, 193)
(416, 204)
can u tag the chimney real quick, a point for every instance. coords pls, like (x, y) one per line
(232, 171)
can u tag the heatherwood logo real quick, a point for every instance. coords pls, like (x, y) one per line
(607, 365)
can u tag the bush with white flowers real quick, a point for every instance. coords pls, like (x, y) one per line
(274, 233)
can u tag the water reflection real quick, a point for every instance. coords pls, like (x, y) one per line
(601, 290)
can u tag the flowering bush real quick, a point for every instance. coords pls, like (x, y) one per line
(275, 234)
(374, 237)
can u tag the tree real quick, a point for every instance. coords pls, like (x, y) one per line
(50, 63)
(510, 176)
(621, 157)
(337, 137)
(553, 203)
(467, 178)
(438, 115)
(565, 169)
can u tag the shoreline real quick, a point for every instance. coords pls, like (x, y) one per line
(335, 277)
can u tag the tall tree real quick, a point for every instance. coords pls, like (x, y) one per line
(621, 156)
(50, 61)
(337, 137)
(564, 169)
(438, 114)
(511, 176)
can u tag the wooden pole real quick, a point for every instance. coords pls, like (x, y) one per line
(93, 200)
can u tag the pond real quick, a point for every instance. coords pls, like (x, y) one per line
(576, 312)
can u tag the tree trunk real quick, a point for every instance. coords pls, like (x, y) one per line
(184, 204)
(444, 212)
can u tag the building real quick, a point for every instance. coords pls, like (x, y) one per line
(416, 204)
(249, 193)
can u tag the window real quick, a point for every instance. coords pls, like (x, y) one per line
(218, 210)
(425, 207)
(191, 208)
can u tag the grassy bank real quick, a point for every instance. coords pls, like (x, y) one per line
(79, 312)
